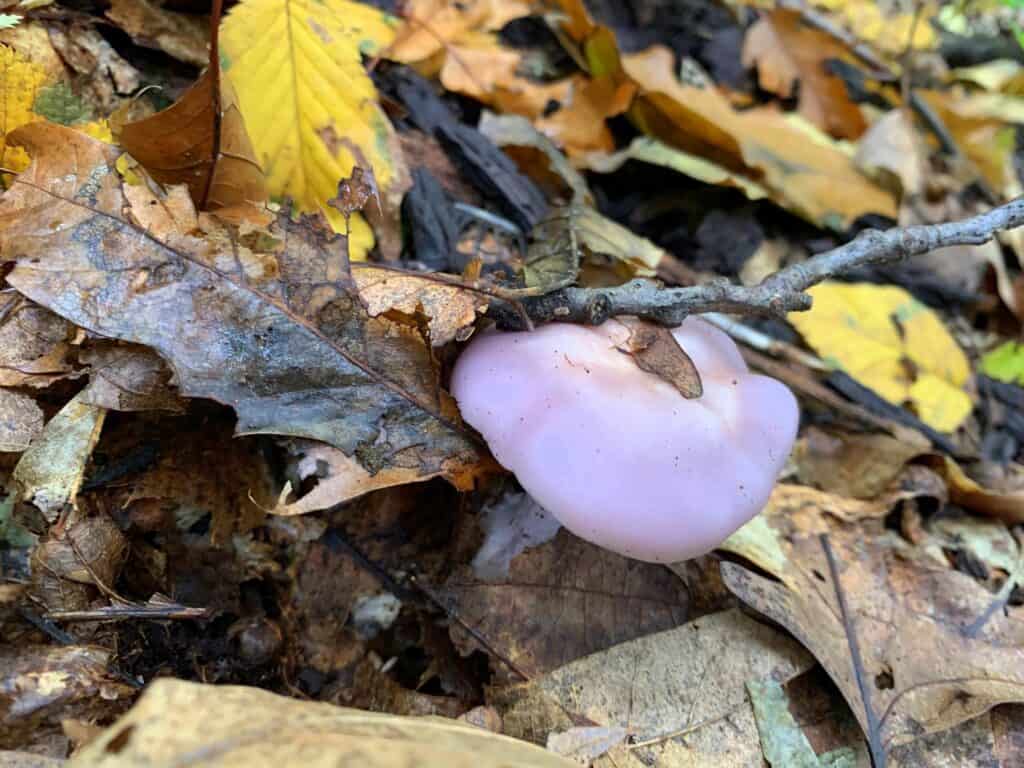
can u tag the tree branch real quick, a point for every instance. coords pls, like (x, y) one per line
(777, 294)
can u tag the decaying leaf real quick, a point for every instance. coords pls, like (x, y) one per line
(50, 472)
(860, 466)
(679, 693)
(253, 728)
(786, 52)
(309, 107)
(890, 342)
(33, 344)
(449, 309)
(809, 177)
(904, 610)
(183, 36)
(124, 378)
(21, 421)
(544, 614)
(275, 330)
(200, 141)
(341, 478)
(654, 349)
(44, 684)
(892, 152)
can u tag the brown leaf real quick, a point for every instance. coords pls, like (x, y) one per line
(816, 181)
(683, 682)
(45, 684)
(448, 308)
(563, 600)
(654, 349)
(33, 344)
(21, 421)
(787, 53)
(126, 378)
(200, 141)
(907, 609)
(105, 75)
(179, 35)
(267, 322)
(252, 728)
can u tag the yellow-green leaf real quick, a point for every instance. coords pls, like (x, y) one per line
(309, 106)
(888, 341)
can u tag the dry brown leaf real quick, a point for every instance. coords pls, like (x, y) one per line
(430, 26)
(200, 141)
(127, 378)
(179, 35)
(105, 75)
(1005, 503)
(33, 344)
(786, 52)
(267, 322)
(680, 693)
(654, 349)
(45, 684)
(906, 611)
(563, 600)
(21, 421)
(861, 466)
(805, 175)
(256, 729)
(892, 152)
(449, 309)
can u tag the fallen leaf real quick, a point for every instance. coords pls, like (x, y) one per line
(200, 141)
(904, 609)
(1005, 363)
(48, 683)
(860, 466)
(650, 150)
(654, 349)
(430, 26)
(448, 308)
(49, 474)
(783, 742)
(123, 378)
(258, 729)
(19, 84)
(309, 107)
(792, 60)
(888, 341)
(180, 35)
(106, 77)
(278, 334)
(544, 614)
(1005, 504)
(892, 28)
(585, 744)
(341, 478)
(670, 690)
(33, 344)
(892, 152)
(811, 178)
(21, 421)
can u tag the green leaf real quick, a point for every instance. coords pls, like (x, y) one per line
(1005, 363)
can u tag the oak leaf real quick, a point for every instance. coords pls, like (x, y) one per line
(268, 322)
(906, 608)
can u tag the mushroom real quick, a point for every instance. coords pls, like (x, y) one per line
(617, 454)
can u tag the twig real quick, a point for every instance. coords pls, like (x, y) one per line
(777, 294)
(878, 759)
(153, 611)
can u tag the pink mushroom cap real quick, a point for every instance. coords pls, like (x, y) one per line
(617, 454)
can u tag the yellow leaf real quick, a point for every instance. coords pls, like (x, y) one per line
(20, 80)
(309, 106)
(888, 341)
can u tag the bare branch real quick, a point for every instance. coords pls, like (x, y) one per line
(777, 294)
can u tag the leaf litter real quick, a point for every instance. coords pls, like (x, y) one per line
(229, 455)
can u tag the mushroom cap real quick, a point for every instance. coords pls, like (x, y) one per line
(617, 454)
